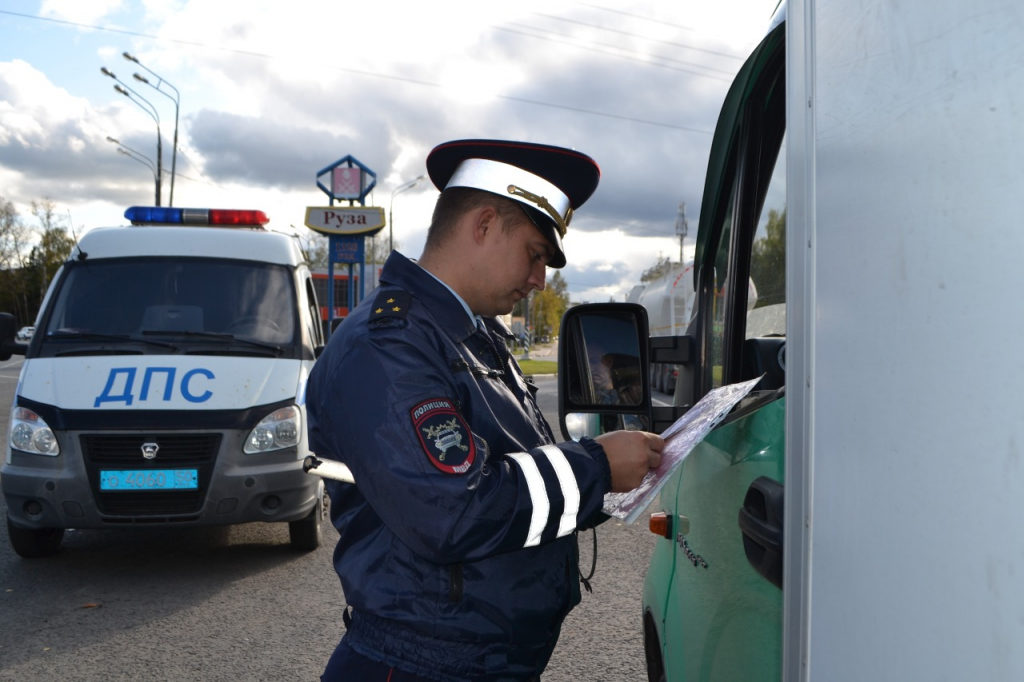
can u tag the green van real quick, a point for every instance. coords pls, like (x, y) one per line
(712, 604)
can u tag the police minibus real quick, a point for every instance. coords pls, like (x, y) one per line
(165, 383)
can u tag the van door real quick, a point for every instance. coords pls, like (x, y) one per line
(721, 617)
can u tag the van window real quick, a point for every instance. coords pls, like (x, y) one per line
(748, 299)
(131, 296)
(766, 301)
(316, 330)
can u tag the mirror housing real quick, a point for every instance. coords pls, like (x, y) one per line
(604, 369)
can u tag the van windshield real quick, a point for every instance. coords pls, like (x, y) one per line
(158, 303)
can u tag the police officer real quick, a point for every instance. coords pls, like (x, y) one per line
(457, 553)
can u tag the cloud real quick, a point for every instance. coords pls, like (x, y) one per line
(271, 93)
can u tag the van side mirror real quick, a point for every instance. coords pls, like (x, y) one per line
(603, 369)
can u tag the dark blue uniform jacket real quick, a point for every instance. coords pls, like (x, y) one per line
(457, 552)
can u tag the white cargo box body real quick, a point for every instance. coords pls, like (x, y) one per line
(905, 478)
(170, 367)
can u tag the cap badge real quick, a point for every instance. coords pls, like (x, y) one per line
(562, 224)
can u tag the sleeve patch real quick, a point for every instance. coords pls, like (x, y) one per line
(444, 435)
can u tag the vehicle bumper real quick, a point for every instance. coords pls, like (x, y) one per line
(63, 491)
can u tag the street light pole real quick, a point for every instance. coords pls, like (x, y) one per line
(398, 190)
(176, 98)
(139, 100)
(140, 157)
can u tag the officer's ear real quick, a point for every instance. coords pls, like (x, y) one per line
(484, 222)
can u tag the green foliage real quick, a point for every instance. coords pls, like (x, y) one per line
(768, 261)
(29, 257)
(547, 306)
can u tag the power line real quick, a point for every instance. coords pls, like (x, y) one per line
(607, 115)
(361, 72)
(642, 60)
(635, 35)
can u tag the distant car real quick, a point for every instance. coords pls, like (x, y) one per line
(24, 334)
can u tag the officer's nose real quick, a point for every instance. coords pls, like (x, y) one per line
(537, 276)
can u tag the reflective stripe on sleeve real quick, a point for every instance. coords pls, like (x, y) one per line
(570, 489)
(538, 497)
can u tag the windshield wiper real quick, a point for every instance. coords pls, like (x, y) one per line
(218, 336)
(100, 336)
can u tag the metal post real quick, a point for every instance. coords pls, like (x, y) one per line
(176, 98)
(147, 106)
(141, 158)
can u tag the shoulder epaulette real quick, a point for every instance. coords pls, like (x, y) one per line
(390, 305)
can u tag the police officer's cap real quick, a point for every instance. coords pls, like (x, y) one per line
(550, 182)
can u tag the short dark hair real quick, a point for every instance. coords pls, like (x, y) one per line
(456, 201)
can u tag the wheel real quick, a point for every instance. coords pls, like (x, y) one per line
(652, 652)
(32, 543)
(304, 534)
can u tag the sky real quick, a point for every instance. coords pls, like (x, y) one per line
(270, 93)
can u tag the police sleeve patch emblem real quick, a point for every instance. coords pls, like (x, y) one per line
(444, 435)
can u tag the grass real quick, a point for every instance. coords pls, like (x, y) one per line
(538, 367)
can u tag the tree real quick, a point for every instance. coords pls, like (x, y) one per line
(54, 245)
(378, 249)
(314, 248)
(14, 238)
(768, 261)
(548, 306)
(25, 272)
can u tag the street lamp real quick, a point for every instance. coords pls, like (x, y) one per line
(398, 190)
(148, 107)
(176, 98)
(141, 158)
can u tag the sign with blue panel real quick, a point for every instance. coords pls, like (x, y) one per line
(346, 227)
(347, 248)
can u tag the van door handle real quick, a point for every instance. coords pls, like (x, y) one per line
(760, 520)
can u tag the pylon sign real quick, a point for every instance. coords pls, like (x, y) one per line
(346, 178)
(346, 227)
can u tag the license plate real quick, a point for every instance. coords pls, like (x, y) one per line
(132, 480)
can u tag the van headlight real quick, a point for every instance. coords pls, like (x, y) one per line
(279, 429)
(29, 433)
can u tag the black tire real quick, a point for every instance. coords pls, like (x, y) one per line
(652, 652)
(304, 534)
(33, 543)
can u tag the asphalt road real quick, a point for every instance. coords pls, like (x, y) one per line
(238, 603)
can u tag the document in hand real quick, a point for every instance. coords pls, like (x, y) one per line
(681, 438)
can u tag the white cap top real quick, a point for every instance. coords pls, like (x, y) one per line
(511, 181)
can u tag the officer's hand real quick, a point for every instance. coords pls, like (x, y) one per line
(630, 455)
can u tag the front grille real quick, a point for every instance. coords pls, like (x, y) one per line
(176, 451)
